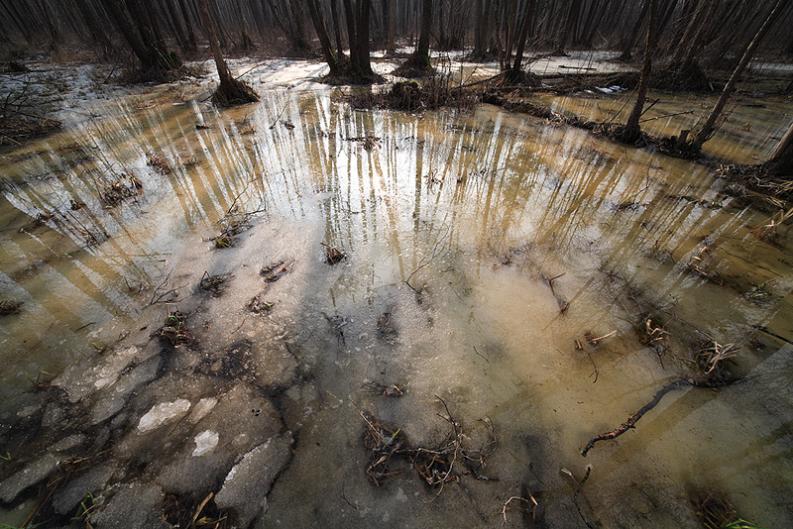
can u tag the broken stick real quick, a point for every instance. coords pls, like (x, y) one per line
(633, 419)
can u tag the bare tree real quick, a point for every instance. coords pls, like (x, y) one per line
(418, 64)
(631, 132)
(707, 129)
(231, 91)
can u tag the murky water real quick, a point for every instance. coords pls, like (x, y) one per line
(449, 223)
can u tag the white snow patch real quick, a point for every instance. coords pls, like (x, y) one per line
(205, 442)
(162, 413)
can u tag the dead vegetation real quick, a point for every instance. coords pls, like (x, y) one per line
(333, 255)
(234, 222)
(23, 115)
(275, 271)
(215, 284)
(258, 305)
(391, 391)
(714, 511)
(445, 462)
(434, 92)
(10, 306)
(174, 330)
(159, 164)
(181, 512)
(124, 187)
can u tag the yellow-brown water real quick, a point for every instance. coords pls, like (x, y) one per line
(470, 209)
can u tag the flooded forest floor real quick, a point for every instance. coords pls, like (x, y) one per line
(294, 313)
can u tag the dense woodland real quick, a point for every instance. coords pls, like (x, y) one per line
(710, 32)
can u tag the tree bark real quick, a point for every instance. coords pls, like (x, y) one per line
(632, 130)
(710, 124)
(322, 34)
(781, 161)
(231, 91)
(524, 32)
(630, 40)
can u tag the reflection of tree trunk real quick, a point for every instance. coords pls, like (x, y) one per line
(632, 130)
(710, 124)
(231, 91)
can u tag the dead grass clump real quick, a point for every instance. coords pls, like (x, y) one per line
(414, 69)
(333, 255)
(712, 362)
(174, 331)
(443, 463)
(258, 305)
(215, 285)
(758, 186)
(436, 91)
(10, 306)
(275, 271)
(119, 190)
(159, 164)
(232, 224)
(714, 511)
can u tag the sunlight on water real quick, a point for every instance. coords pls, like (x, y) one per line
(449, 223)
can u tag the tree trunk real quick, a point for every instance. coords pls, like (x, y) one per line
(630, 40)
(418, 64)
(710, 124)
(94, 26)
(324, 40)
(334, 13)
(632, 131)
(231, 91)
(423, 49)
(781, 161)
(191, 38)
(524, 32)
(389, 13)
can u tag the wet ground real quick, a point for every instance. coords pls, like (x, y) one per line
(182, 332)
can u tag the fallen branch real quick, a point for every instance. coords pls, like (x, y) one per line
(633, 419)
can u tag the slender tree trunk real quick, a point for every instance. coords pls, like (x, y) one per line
(191, 38)
(632, 130)
(422, 54)
(119, 16)
(389, 14)
(322, 34)
(98, 34)
(334, 13)
(524, 32)
(630, 40)
(781, 161)
(710, 124)
(362, 32)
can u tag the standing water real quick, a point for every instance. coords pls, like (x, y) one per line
(279, 313)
